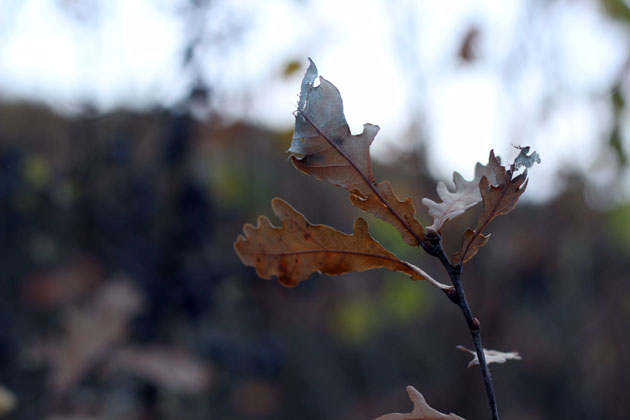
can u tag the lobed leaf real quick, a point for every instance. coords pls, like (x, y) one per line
(323, 147)
(492, 356)
(90, 331)
(498, 200)
(421, 410)
(455, 203)
(525, 160)
(173, 369)
(409, 228)
(298, 248)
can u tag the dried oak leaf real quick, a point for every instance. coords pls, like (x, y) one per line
(8, 400)
(324, 148)
(90, 331)
(173, 369)
(421, 410)
(492, 356)
(298, 248)
(455, 203)
(497, 200)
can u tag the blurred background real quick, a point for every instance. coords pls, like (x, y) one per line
(137, 137)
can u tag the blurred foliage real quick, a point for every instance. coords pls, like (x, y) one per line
(291, 68)
(619, 226)
(617, 9)
(157, 198)
(364, 316)
(616, 141)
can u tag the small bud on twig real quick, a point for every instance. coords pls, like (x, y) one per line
(475, 325)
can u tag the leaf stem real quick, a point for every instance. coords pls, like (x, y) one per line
(366, 179)
(455, 272)
(428, 278)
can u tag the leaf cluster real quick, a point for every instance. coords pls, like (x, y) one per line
(323, 147)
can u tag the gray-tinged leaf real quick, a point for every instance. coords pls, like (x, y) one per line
(455, 203)
(498, 200)
(323, 147)
(307, 83)
(324, 107)
(313, 154)
(522, 160)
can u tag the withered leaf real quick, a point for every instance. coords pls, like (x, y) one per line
(498, 200)
(90, 331)
(298, 248)
(410, 229)
(324, 148)
(525, 160)
(173, 369)
(473, 240)
(455, 203)
(492, 356)
(421, 410)
(8, 400)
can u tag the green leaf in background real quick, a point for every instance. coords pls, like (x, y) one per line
(619, 226)
(36, 171)
(361, 318)
(617, 9)
(404, 301)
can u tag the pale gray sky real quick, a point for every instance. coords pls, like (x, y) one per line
(394, 63)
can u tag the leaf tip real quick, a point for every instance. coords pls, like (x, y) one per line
(278, 202)
(414, 394)
(240, 238)
(371, 129)
(281, 208)
(360, 227)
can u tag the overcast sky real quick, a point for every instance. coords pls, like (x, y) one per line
(540, 77)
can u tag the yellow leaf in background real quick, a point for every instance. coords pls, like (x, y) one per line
(355, 320)
(404, 300)
(291, 68)
(36, 171)
(8, 400)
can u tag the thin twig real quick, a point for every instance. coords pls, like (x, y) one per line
(432, 244)
(474, 326)
(475, 331)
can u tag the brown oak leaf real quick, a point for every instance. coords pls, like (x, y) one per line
(498, 200)
(90, 331)
(173, 369)
(421, 410)
(324, 148)
(298, 248)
